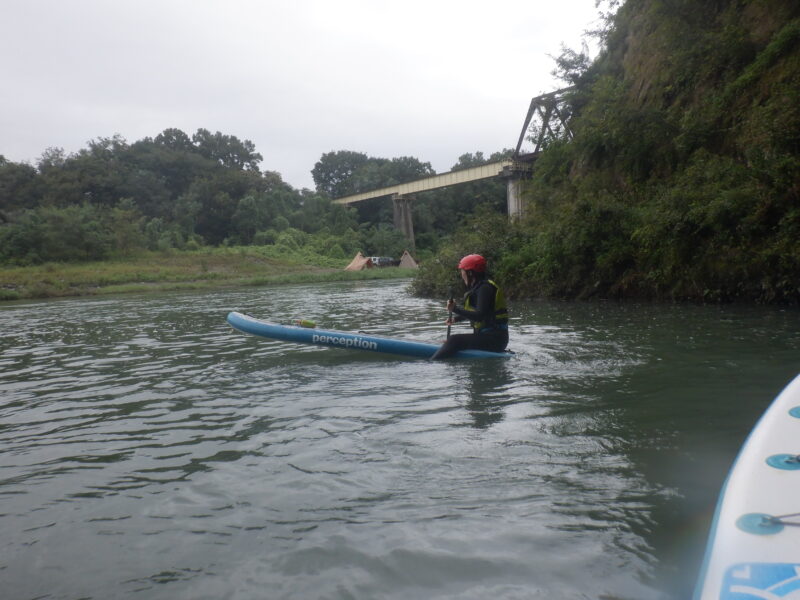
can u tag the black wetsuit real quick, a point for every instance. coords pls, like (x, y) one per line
(492, 336)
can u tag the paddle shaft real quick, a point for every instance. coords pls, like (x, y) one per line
(449, 316)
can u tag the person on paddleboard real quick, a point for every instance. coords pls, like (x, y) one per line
(484, 307)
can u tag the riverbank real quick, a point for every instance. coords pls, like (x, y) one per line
(177, 270)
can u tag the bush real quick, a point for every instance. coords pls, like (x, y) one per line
(263, 238)
(72, 233)
(488, 234)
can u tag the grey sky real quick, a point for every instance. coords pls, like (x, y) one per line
(430, 79)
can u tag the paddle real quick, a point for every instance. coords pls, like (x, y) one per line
(449, 315)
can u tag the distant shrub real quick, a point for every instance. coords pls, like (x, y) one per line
(72, 233)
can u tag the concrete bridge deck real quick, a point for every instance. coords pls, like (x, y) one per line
(433, 182)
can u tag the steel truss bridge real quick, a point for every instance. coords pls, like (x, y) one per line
(547, 119)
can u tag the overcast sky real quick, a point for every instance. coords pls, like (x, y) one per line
(432, 79)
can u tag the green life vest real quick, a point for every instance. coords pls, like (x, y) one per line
(500, 316)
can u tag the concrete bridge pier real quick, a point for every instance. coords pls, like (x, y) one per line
(514, 197)
(514, 176)
(402, 217)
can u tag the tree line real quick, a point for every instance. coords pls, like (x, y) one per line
(115, 198)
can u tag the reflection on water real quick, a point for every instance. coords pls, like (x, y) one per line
(147, 449)
(488, 388)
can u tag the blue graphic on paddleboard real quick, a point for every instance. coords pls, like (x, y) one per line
(762, 581)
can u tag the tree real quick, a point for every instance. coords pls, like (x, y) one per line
(469, 160)
(441, 211)
(384, 240)
(17, 186)
(174, 139)
(254, 212)
(52, 158)
(572, 66)
(334, 171)
(228, 150)
(126, 226)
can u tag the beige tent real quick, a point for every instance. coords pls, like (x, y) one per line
(407, 261)
(359, 263)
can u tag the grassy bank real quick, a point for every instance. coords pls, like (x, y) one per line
(153, 272)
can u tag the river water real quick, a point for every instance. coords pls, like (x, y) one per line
(149, 451)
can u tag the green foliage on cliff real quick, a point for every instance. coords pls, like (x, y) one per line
(683, 177)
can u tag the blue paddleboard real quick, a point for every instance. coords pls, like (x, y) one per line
(342, 339)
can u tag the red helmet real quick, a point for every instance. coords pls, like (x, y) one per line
(473, 262)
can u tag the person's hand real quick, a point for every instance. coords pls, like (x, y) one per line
(451, 304)
(449, 321)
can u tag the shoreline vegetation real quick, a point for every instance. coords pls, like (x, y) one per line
(173, 270)
(676, 181)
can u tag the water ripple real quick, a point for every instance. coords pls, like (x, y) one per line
(147, 449)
